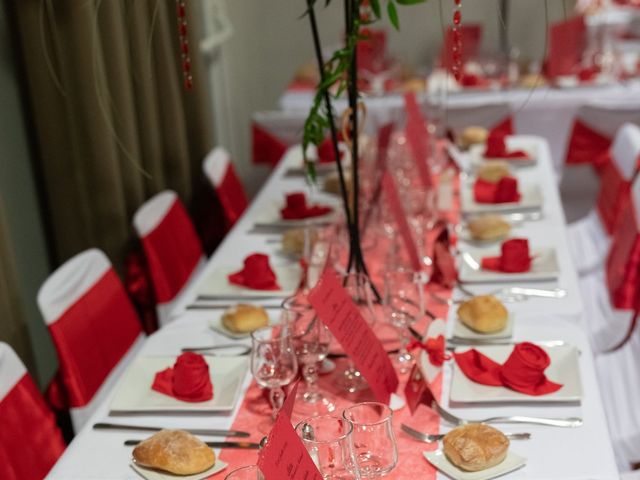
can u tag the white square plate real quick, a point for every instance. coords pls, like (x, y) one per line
(439, 460)
(476, 152)
(530, 199)
(270, 215)
(134, 393)
(544, 266)
(217, 283)
(460, 330)
(564, 369)
(151, 474)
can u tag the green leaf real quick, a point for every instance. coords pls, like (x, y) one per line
(393, 14)
(375, 6)
(410, 2)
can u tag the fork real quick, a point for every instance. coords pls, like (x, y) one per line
(433, 437)
(519, 293)
(447, 416)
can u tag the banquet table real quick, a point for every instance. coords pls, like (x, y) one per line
(558, 453)
(545, 111)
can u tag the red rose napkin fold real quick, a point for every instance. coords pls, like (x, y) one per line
(504, 190)
(297, 208)
(326, 153)
(497, 148)
(473, 80)
(256, 274)
(523, 371)
(188, 380)
(514, 257)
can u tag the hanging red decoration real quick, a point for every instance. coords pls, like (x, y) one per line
(181, 14)
(457, 40)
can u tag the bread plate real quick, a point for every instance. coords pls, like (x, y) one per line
(544, 266)
(531, 199)
(438, 459)
(476, 153)
(134, 393)
(269, 215)
(151, 474)
(564, 369)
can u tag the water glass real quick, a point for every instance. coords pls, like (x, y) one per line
(250, 472)
(373, 438)
(328, 439)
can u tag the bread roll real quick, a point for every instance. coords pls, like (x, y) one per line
(472, 136)
(245, 318)
(174, 451)
(484, 314)
(493, 170)
(293, 240)
(488, 227)
(475, 447)
(532, 80)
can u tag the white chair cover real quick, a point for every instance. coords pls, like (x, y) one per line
(58, 293)
(11, 369)
(587, 237)
(215, 165)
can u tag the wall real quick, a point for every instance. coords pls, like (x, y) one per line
(270, 41)
(18, 192)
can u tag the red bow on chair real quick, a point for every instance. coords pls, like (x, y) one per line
(434, 348)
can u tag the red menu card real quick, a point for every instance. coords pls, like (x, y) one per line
(417, 137)
(337, 311)
(391, 192)
(285, 456)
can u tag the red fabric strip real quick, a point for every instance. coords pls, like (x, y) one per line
(623, 262)
(266, 148)
(232, 197)
(586, 145)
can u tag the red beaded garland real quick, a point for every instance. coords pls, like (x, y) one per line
(456, 48)
(181, 14)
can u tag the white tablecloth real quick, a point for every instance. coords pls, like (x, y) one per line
(583, 453)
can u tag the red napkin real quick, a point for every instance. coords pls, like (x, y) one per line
(325, 150)
(587, 74)
(188, 380)
(504, 191)
(523, 371)
(497, 148)
(297, 208)
(256, 274)
(473, 80)
(515, 257)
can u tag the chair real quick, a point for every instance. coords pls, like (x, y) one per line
(589, 236)
(171, 246)
(273, 132)
(30, 441)
(218, 168)
(94, 328)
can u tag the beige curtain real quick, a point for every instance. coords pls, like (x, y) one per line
(113, 123)
(13, 328)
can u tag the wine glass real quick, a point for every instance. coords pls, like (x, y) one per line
(250, 472)
(273, 361)
(328, 439)
(404, 304)
(311, 339)
(374, 442)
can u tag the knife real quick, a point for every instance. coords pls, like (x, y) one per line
(239, 297)
(224, 306)
(249, 445)
(194, 431)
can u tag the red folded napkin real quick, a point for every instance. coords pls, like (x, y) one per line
(188, 380)
(514, 257)
(473, 80)
(587, 74)
(325, 150)
(503, 191)
(523, 371)
(297, 208)
(256, 274)
(497, 148)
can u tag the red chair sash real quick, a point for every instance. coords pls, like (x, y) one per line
(614, 195)
(173, 251)
(586, 145)
(266, 148)
(30, 442)
(92, 336)
(623, 263)
(232, 196)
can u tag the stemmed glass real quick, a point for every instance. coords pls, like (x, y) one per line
(328, 439)
(273, 361)
(311, 339)
(374, 442)
(250, 472)
(404, 304)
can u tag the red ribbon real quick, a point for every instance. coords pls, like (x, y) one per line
(188, 380)
(256, 274)
(523, 371)
(434, 348)
(297, 208)
(28, 426)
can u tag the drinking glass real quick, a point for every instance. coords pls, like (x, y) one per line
(404, 304)
(328, 440)
(311, 339)
(273, 361)
(373, 438)
(250, 472)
